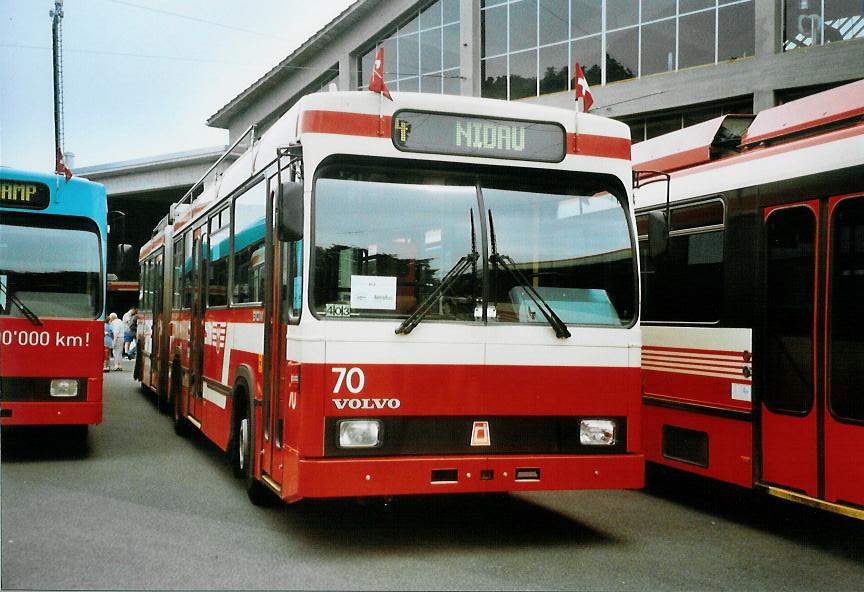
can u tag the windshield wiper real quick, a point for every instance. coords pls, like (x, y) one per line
(469, 260)
(31, 316)
(507, 263)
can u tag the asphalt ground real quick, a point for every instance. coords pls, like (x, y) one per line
(138, 507)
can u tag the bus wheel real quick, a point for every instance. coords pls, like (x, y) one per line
(163, 399)
(181, 424)
(238, 439)
(256, 491)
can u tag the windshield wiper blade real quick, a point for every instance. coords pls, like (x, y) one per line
(31, 316)
(469, 260)
(497, 259)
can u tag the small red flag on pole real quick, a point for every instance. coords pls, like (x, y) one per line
(60, 165)
(376, 83)
(581, 86)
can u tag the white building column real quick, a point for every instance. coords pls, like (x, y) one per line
(469, 47)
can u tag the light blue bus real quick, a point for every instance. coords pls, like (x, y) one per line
(52, 299)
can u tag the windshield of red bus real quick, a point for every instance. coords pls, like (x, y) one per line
(51, 264)
(386, 238)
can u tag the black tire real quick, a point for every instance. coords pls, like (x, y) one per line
(256, 491)
(163, 400)
(182, 427)
(235, 446)
(136, 371)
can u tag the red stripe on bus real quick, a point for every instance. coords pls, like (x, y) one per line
(710, 352)
(361, 124)
(602, 146)
(348, 124)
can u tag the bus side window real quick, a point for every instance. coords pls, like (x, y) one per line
(217, 269)
(188, 271)
(248, 224)
(177, 279)
(292, 281)
(685, 283)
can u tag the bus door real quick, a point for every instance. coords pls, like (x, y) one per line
(788, 377)
(156, 351)
(281, 405)
(196, 323)
(272, 459)
(844, 352)
(812, 358)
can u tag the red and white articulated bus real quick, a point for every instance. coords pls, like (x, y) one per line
(430, 295)
(752, 283)
(52, 299)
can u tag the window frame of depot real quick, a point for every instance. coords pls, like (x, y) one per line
(834, 25)
(404, 67)
(634, 38)
(702, 224)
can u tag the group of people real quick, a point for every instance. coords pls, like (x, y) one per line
(120, 339)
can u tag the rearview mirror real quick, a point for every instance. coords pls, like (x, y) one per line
(291, 211)
(123, 251)
(658, 233)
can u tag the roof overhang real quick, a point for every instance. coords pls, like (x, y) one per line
(315, 45)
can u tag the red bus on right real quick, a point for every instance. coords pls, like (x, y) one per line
(752, 243)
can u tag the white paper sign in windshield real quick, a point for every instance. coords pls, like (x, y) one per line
(373, 292)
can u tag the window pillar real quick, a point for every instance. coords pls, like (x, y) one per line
(347, 75)
(469, 48)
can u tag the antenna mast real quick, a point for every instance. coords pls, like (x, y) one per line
(57, 35)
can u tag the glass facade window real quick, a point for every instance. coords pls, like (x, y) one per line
(817, 22)
(612, 40)
(422, 55)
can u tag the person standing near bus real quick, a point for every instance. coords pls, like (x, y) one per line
(117, 336)
(108, 341)
(129, 319)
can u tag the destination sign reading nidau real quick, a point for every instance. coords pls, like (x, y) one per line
(466, 135)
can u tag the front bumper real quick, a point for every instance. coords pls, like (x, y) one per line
(464, 474)
(63, 413)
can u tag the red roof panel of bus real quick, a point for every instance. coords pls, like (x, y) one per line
(837, 104)
(679, 149)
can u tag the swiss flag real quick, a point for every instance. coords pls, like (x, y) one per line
(581, 85)
(376, 83)
(60, 166)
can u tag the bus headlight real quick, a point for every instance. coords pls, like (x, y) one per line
(64, 387)
(597, 432)
(359, 433)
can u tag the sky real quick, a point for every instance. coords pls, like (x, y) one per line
(140, 77)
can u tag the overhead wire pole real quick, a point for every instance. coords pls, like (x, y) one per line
(57, 43)
(57, 15)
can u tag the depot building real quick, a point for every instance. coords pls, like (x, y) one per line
(658, 65)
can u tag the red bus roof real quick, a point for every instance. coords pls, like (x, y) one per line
(831, 106)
